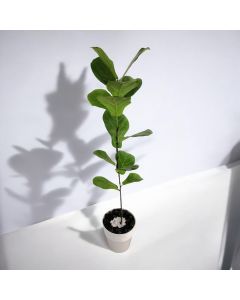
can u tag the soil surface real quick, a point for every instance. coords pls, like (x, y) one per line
(109, 216)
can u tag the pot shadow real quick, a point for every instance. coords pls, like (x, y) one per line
(39, 165)
(95, 237)
(231, 233)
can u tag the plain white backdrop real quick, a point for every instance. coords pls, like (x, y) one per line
(189, 99)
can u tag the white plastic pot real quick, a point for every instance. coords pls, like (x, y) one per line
(119, 242)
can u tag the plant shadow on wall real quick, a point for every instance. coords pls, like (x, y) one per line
(39, 165)
(231, 236)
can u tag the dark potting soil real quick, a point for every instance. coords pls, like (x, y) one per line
(109, 216)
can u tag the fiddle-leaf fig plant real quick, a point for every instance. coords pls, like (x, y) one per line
(113, 99)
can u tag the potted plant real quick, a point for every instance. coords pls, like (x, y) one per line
(118, 223)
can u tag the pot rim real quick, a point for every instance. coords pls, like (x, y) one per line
(118, 234)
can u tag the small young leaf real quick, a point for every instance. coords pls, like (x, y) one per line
(135, 58)
(142, 133)
(104, 183)
(132, 177)
(101, 71)
(125, 160)
(93, 97)
(103, 155)
(115, 105)
(134, 167)
(111, 126)
(106, 60)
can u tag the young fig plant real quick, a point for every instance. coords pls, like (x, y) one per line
(113, 99)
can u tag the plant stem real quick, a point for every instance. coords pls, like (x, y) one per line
(119, 176)
(120, 194)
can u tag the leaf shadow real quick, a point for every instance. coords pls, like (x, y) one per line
(67, 108)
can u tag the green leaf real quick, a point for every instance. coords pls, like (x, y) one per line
(93, 97)
(135, 58)
(132, 177)
(115, 105)
(106, 60)
(111, 126)
(142, 133)
(104, 183)
(123, 126)
(101, 71)
(114, 87)
(123, 171)
(103, 155)
(126, 87)
(137, 87)
(132, 168)
(125, 160)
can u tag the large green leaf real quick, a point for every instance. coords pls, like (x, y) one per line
(132, 177)
(123, 126)
(125, 160)
(142, 133)
(111, 124)
(126, 87)
(93, 97)
(135, 58)
(104, 183)
(106, 60)
(115, 105)
(103, 155)
(101, 71)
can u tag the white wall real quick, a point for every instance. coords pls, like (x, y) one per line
(189, 98)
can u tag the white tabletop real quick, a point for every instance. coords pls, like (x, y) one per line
(179, 225)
